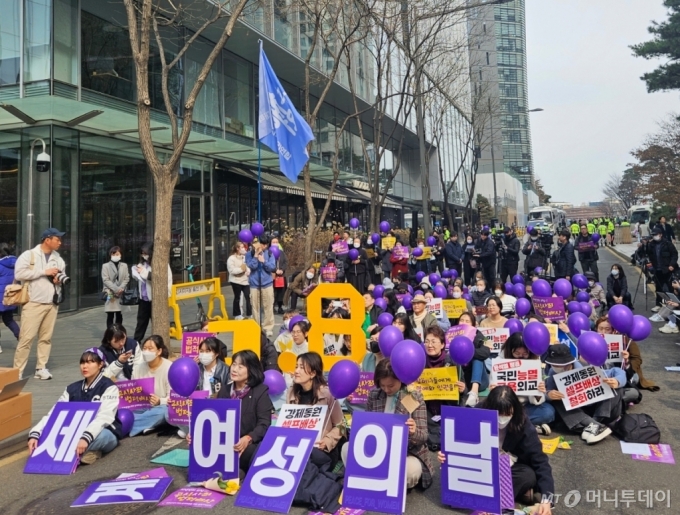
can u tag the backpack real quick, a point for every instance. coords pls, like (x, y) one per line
(638, 428)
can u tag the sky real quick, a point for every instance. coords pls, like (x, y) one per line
(581, 71)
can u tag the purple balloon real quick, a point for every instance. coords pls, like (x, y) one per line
(343, 378)
(410, 289)
(354, 224)
(593, 348)
(384, 226)
(408, 361)
(574, 307)
(485, 228)
(127, 418)
(434, 279)
(530, 228)
(466, 289)
(446, 273)
(417, 252)
(596, 237)
(509, 287)
(245, 236)
(621, 318)
(431, 241)
(640, 329)
(578, 323)
(461, 350)
(517, 279)
(522, 307)
(514, 324)
(257, 229)
(275, 381)
(353, 254)
(538, 270)
(586, 308)
(406, 302)
(183, 376)
(378, 291)
(375, 238)
(385, 319)
(419, 277)
(562, 288)
(467, 296)
(381, 303)
(582, 296)
(537, 338)
(294, 320)
(388, 339)
(418, 292)
(440, 292)
(519, 290)
(541, 288)
(276, 252)
(454, 274)
(580, 281)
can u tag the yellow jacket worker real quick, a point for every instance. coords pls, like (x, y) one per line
(574, 228)
(591, 228)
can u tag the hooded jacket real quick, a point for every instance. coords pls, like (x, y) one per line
(6, 278)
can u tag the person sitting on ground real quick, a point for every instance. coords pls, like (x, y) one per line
(402, 322)
(269, 358)
(421, 319)
(479, 294)
(508, 300)
(442, 322)
(214, 372)
(532, 479)
(474, 373)
(102, 434)
(598, 298)
(592, 420)
(393, 304)
(494, 317)
(457, 293)
(617, 288)
(118, 350)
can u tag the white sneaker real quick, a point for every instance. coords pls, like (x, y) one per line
(656, 309)
(656, 318)
(668, 329)
(270, 334)
(240, 317)
(42, 373)
(181, 434)
(472, 400)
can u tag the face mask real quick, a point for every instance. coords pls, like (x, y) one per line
(615, 273)
(309, 275)
(503, 421)
(286, 324)
(657, 238)
(115, 259)
(420, 245)
(375, 347)
(242, 252)
(145, 257)
(148, 355)
(457, 295)
(559, 370)
(534, 238)
(591, 283)
(469, 240)
(498, 292)
(357, 245)
(424, 286)
(205, 358)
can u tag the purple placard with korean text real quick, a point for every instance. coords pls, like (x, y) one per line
(147, 474)
(215, 428)
(341, 511)
(586, 246)
(380, 440)
(401, 252)
(659, 453)
(276, 470)
(461, 330)
(366, 384)
(340, 248)
(135, 394)
(190, 497)
(550, 308)
(192, 341)
(56, 451)
(471, 474)
(123, 492)
(179, 408)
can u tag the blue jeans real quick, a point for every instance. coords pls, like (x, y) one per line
(540, 414)
(479, 374)
(148, 419)
(105, 442)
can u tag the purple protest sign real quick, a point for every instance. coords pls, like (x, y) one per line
(460, 330)
(659, 453)
(400, 252)
(123, 492)
(340, 248)
(550, 308)
(136, 393)
(276, 470)
(215, 430)
(586, 246)
(179, 408)
(375, 472)
(341, 511)
(147, 474)
(192, 341)
(366, 384)
(189, 497)
(471, 473)
(56, 450)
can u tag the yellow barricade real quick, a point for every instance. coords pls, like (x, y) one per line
(184, 291)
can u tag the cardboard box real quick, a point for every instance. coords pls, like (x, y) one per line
(15, 414)
(8, 375)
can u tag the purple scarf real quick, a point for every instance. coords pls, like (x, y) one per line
(239, 394)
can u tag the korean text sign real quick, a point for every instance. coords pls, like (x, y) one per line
(454, 307)
(301, 416)
(522, 375)
(215, 430)
(495, 338)
(616, 348)
(123, 492)
(191, 343)
(276, 470)
(436, 307)
(179, 408)
(135, 394)
(400, 252)
(460, 330)
(550, 308)
(56, 451)
(375, 473)
(471, 474)
(340, 248)
(438, 384)
(366, 384)
(582, 386)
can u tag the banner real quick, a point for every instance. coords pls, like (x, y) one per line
(388, 242)
(215, 428)
(522, 375)
(400, 252)
(191, 342)
(550, 308)
(366, 384)
(427, 254)
(123, 492)
(301, 416)
(615, 344)
(56, 451)
(438, 384)
(471, 473)
(340, 248)
(135, 394)
(435, 307)
(495, 338)
(179, 408)
(586, 246)
(454, 307)
(276, 470)
(190, 497)
(582, 386)
(375, 472)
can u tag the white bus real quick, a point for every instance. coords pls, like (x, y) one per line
(640, 213)
(548, 213)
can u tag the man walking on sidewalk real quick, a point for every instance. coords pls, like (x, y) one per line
(43, 269)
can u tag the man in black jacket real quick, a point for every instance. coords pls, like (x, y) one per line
(664, 258)
(588, 256)
(453, 254)
(487, 257)
(511, 246)
(666, 229)
(534, 252)
(565, 258)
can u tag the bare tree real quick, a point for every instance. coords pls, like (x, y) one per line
(624, 187)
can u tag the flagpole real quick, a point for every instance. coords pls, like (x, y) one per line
(259, 181)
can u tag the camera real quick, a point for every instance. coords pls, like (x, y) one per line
(43, 162)
(63, 278)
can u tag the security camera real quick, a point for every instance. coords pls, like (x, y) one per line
(43, 162)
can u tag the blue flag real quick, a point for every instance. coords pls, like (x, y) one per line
(280, 126)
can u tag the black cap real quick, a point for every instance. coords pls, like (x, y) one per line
(590, 275)
(48, 233)
(507, 230)
(559, 355)
(657, 230)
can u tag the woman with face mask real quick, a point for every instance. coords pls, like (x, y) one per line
(475, 374)
(457, 294)
(508, 300)
(532, 480)
(468, 250)
(214, 372)
(617, 288)
(238, 278)
(115, 276)
(598, 298)
(301, 287)
(142, 274)
(355, 270)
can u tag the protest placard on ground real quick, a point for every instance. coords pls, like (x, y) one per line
(522, 375)
(438, 384)
(495, 338)
(135, 394)
(659, 453)
(301, 416)
(123, 492)
(550, 308)
(191, 497)
(215, 429)
(582, 386)
(454, 307)
(191, 342)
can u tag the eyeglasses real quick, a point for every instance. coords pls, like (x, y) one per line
(433, 342)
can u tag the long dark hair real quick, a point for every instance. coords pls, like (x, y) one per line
(147, 248)
(409, 332)
(312, 363)
(473, 319)
(383, 370)
(505, 401)
(250, 360)
(113, 332)
(392, 301)
(216, 346)
(516, 341)
(622, 274)
(159, 343)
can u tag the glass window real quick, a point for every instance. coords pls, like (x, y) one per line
(66, 41)
(37, 34)
(170, 38)
(239, 95)
(209, 104)
(10, 41)
(283, 31)
(9, 177)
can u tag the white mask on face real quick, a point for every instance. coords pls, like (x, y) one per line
(469, 240)
(420, 245)
(310, 275)
(591, 283)
(615, 272)
(657, 238)
(115, 259)
(205, 358)
(559, 370)
(498, 292)
(242, 252)
(145, 257)
(357, 245)
(503, 421)
(534, 238)
(148, 355)
(457, 295)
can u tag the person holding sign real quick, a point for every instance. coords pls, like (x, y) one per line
(494, 319)
(398, 259)
(102, 434)
(118, 352)
(474, 373)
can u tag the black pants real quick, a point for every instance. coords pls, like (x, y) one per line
(469, 272)
(109, 318)
(458, 267)
(489, 270)
(589, 265)
(236, 306)
(508, 269)
(143, 317)
(662, 281)
(626, 300)
(523, 480)
(247, 456)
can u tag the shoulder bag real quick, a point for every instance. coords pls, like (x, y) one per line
(16, 294)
